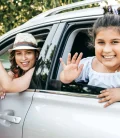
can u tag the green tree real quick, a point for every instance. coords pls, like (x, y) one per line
(15, 12)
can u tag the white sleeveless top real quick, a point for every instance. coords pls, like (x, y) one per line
(105, 80)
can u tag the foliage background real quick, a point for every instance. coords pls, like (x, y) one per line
(16, 12)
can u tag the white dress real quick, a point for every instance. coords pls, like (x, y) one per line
(105, 80)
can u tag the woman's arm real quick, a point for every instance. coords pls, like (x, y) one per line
(2, 91)
(9, 84)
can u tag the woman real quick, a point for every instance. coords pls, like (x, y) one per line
(23, 57)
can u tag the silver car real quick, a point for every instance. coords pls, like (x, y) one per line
(50, 109)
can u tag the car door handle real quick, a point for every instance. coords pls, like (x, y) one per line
(9, 116)
(12, 119)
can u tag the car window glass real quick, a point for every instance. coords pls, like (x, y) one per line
(42, 68)
(4, 58)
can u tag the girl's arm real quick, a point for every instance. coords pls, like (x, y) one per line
(9, 84)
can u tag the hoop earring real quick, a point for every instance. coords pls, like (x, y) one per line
(17, 66)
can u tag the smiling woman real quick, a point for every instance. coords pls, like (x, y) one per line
(23, 58)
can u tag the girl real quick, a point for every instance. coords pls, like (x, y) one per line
(23, 57)
(103, 70)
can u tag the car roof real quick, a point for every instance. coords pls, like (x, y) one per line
(63, 8)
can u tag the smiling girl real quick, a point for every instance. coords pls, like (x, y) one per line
(102, 70)
(23, 58)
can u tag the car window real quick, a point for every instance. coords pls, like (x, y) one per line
(40, 34)
(5, 60)
(76, 39)
(43, 64)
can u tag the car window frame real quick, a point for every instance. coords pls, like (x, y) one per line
(43, 55)
(57, 85)
(6, 46)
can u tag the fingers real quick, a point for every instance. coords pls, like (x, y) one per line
(106, 90)
(69, 59)
(79, 58)
(2, 95)
(62, 62)
(74, 58)
(107, 98)
(108, 103)
(103, 94)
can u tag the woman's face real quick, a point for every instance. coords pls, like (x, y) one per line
(25, 59)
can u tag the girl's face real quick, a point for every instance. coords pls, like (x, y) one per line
(107, 48)
(25, 59)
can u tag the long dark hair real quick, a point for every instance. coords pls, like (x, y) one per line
(18, 72)
(108, 20)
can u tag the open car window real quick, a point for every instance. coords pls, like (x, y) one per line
(76, 39)
(40, 35)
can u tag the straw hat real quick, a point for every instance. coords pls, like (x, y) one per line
(24, 41)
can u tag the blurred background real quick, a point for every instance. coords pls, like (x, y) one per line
(16, 12)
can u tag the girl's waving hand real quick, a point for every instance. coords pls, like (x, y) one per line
(71, 70)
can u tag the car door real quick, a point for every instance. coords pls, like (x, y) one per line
(41, 76)
(14, 107)
(13, 110)
(68, 110)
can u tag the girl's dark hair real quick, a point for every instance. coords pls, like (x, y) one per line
(17, 70)
(108, 20)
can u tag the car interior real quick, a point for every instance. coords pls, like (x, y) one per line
(78, 41)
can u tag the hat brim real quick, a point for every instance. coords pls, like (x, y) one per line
(24, 47)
